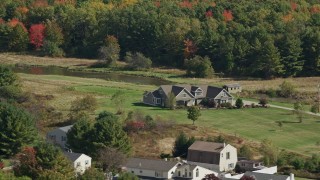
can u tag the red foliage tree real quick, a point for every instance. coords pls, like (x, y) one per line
(40, 3)
(27, 162)
(227, 14)
(157, 3)
(209, 13)
(190, 48)
(135, 126)
(1, 165)
(36, 35)
(245, 177)
(186, 4)
(315, 9)
(294, 6)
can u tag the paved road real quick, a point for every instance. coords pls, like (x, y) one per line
(280, 107)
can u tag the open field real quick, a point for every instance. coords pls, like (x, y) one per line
(252, 124)
(303, 84)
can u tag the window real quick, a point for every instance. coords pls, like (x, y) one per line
(78, 164)
(132, 172)
(197, 172)
(231, 165)
(63, 138)
(185, 173)
(228, 155)
(158, 101)
(221, 154)
(184, 95)
(179, 173)
(198, 93)
(189, 174)
(86, 162)
(53, 137)
(140, 171)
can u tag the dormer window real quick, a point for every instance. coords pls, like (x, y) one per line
(184, 95)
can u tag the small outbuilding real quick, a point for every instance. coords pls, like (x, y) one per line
(233, 88)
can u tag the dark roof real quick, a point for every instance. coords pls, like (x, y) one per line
(156, 94)
(72, 156)
(249, 161)
(176, 90)
(150, 164)
(212, 92)
(207, 146)
(262, 176)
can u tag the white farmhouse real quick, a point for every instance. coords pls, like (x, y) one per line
(214, 156)
(59, 136)
(149, 168)
(80, 162)
(194, 172)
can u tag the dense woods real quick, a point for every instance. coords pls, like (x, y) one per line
(241, 38)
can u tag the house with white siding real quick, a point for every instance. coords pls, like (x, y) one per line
(80, 162)
(218, 157)
(59, 136)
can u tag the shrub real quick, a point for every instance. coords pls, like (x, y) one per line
(226, 105)
(286, 90)
(263, 101)
(297, 163)
(210, 103)
(150, 122)
(1, 165)
(239, 103)
(137, 61)
(271, 93)
(199, 67)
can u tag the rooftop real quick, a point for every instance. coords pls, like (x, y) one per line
(207, 146)
(150, 164)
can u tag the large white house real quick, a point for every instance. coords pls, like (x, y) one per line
(59, 136)
(214, 156)
(80, 162)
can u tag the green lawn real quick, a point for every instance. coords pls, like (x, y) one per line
(254, 124)
(298, 178)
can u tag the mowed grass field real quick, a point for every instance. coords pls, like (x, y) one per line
(252, 124)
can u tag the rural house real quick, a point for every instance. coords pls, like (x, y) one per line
(59, 136)
(148, 168)
(263, 176)
(81, 162)
(187, 95)
(194, 172)
(214, 156)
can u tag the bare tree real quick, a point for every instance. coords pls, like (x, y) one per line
(110, 159)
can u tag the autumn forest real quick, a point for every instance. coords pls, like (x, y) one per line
(258, 38)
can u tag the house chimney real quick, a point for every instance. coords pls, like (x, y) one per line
(139, 164)
(224, 144)
(291, 176)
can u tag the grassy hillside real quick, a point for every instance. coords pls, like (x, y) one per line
(253, 124)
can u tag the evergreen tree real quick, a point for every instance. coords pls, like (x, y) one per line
(268, 65)
(181, 145)
(18, 38)
(17, 129)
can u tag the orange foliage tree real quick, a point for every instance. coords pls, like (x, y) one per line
(227, 14)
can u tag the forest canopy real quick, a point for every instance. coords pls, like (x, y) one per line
(241, 38)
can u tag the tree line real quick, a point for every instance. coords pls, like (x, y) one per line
(240, 38)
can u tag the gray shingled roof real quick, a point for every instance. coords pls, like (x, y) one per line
(150, 164)
(207, 146)
(156, 94)
(261, 176)
(232, 85)
(207, 91)
(66, 128)
(72, 156)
